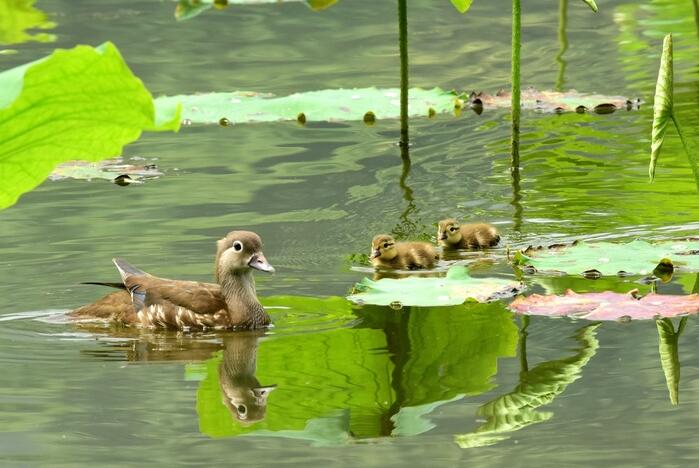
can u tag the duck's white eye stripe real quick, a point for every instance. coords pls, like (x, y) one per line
(237, 246)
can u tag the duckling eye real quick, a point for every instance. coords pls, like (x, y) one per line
(452, 229)
(237, 246)
(385, 245)
(242, 410)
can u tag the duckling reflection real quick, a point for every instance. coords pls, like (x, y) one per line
(241, 392)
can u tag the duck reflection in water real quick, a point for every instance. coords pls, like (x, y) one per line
(241, 392)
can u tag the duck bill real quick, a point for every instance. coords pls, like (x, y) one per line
(443, 236)
(375, 253)
(259, 262)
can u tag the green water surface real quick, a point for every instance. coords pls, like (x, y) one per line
(349, 385)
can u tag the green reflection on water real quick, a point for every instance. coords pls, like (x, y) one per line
(368, 377)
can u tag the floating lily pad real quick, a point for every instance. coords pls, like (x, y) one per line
(110, 169)
(83, 103)
(606, 258)
(355, 104)
(456, 288)
(607, 306)
(187, 9)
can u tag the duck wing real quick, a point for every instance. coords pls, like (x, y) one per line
(169, 295)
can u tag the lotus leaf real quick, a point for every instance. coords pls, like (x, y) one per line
(607, 306)
(456, 288)
(606, 258)
(82, 103)
(354, 104)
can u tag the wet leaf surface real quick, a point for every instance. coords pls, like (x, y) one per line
(606, 258)
(607, 306)
(456, 288)
(110, 169)
(355, 104)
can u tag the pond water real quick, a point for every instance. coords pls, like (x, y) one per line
(355, 385)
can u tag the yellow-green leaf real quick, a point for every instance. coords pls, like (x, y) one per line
(592, 5)
(83, 103)
(462, 5)
(662, 104)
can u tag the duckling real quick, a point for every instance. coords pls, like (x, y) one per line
(155, 302)
(451, 235)
(387, 253)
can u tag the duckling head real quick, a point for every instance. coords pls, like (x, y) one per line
(449, 231)
(240, 252)
(383, 246)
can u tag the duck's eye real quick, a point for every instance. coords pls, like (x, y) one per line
(237, 246)
(452, 229)
(242, 409)
(385, 245)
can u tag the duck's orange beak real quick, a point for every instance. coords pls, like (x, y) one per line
(259, 262)
(375, 253)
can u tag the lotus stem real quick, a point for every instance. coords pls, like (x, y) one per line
(403, 43)
(690, 157)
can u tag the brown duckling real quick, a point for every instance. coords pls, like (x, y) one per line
(451, 235)
(387, 253)
(150, 301)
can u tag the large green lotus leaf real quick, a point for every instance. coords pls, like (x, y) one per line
(354, 104)
(83, 103)
(538, 386)
(456, 288)
(606, 258)
(18, 16)
(607, 306)
(340, 384)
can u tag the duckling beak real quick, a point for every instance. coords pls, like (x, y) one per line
(375, 253)
(259, 262)
(443, 236)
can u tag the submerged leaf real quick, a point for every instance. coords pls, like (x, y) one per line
(353, 104)
(462, 5)
(592, 5)
(83, 103)
(607, 258)
(607, 306)
(662, 104)
(456, 288)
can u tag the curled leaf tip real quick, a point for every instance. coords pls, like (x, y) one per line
(592, 5)
(662, 104)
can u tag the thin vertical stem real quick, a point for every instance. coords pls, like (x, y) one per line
(516, 108)
(522, 352)
(562, 42)
(516, 86)
(403, 42)
(696, 14)
(692, 162)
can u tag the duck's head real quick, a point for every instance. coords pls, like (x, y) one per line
(383, 246)
(449, 231)
(240, 252)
